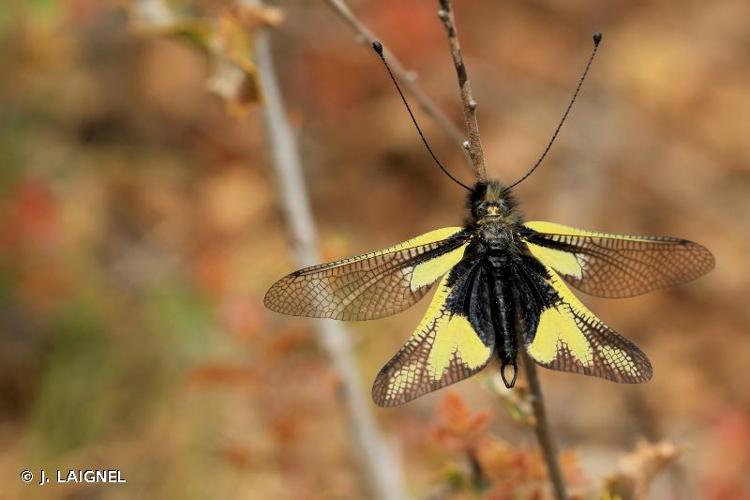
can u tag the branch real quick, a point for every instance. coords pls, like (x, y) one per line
(474, 144)
(474, 147)
(541, 427)
(380, 467)
(408, 78)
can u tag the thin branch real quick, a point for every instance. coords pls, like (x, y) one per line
(541, 425)
(541, 428)
(408, 78)
(379, 465)
(474, 145)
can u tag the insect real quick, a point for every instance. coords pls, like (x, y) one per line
(502, 285)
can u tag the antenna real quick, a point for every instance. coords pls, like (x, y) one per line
(597, 38)
(378, 47)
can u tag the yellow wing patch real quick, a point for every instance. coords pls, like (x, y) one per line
(455, 337)
(564, 262)
(570, 338)
(558, 330)
(444, 349)
(429, 271)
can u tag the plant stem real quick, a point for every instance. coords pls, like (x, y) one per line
(474, 147)
(474, 144)
(380, 467)
(407, 78)
(542, 430)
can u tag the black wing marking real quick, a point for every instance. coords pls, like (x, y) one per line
(563, 334)
(454, 340)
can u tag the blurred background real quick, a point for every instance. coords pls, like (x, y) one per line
(140, 226)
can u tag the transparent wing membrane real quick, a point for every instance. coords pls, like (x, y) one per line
(453, 342)
(369, 286)
(570, 338)
(616, 266)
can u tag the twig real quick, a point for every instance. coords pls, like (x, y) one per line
(474, 145)
(406, 77)
(379, 465)
(541, 428)
(478, 477)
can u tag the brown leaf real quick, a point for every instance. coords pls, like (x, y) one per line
(458, 428)
(228, 41)
(638, 469)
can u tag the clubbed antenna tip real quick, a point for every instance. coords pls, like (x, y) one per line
(597, 38)
(378, 48)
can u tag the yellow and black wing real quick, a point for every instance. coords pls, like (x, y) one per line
(454, 340)
(372, 285)
(568, 337)
(616, 266)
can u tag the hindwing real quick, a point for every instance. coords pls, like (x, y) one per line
(567, 336)
(454, 340)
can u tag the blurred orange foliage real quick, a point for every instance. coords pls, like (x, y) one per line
(140, 228)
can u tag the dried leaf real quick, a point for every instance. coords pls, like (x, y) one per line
(638, 469)
(228, 41)
(234, 76)
(458, 428)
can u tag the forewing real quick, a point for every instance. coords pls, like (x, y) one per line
(616, 266)
(454, 341)
(568, 337)
(372, 285)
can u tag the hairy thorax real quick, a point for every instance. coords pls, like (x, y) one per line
(500, 243)
(495, 220)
